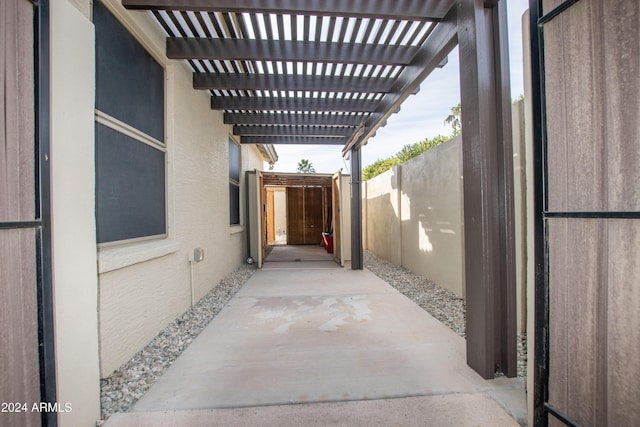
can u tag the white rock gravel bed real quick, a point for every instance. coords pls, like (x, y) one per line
(124, 387)
(442, 304)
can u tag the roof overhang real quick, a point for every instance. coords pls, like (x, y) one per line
(268, 153)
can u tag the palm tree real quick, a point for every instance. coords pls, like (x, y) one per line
(454, 119)
(304, 166)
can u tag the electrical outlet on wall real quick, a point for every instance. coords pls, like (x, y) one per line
(196, 255)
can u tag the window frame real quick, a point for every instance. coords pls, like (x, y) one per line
(235, 183)
(138, 135)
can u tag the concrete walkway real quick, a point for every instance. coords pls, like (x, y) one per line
(313, 344)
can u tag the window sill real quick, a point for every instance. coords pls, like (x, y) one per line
(235, 229)
(117, 257)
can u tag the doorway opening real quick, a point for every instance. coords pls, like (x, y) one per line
(304, 216)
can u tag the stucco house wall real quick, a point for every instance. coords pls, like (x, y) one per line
(110, 301)
(149, 294)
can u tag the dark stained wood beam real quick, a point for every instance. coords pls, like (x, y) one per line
(487, 163)
(304, 140)
(397, 9)
(291, 104)
(260, 130)
(294, 119)
(438, 45)
(288, 50)
(286, 82)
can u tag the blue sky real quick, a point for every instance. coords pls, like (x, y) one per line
(422, 115)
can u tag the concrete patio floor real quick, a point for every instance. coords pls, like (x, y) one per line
(310, 344)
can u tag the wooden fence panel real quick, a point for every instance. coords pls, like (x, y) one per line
(592, 64)
(19, 355)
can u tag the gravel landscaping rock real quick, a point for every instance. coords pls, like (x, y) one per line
(125, 386)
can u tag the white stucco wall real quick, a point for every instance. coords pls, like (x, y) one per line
(73, 221)
(145, 286)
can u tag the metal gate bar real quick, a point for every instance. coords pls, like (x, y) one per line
(43, 213)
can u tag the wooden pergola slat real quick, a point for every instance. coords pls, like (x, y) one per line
(440, 42)
(287, 82)
(302, 140)
(261, 130)
(288, 50)
(293, 119)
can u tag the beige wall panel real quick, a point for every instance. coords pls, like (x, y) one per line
(576, 269)
(345, 223)
(280, 201)
(75, 286)
(383, 216)
(138, 301)
(623, 320)
(521, 211)
(431, 214)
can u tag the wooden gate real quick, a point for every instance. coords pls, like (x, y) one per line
(586, 98)
(304, 215)
(26, 331)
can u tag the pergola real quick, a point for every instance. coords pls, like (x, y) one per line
(334, 71)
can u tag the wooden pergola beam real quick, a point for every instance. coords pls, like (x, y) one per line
(375, 9)
(288, 50)
(294, 119)
(292, 104)
(488, 188)
(261, 130)
(302, 140)
(287, 82)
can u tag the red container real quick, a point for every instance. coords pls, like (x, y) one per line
(327, 239)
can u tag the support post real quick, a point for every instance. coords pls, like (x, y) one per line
(488, 187)
(357, 261)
